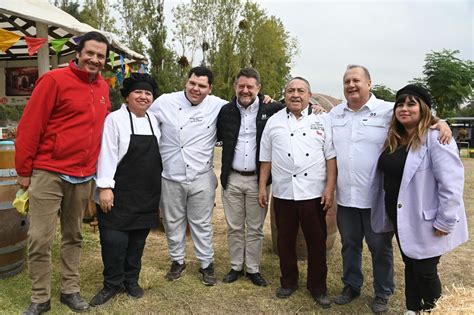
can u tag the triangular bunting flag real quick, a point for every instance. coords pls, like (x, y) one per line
(57, 44)
(7, 39)
(142, 69)
(119, 77)
(34, 44)
(112, 59)
(127, 71)
(77, 39)
(113, 80)
(122, 64)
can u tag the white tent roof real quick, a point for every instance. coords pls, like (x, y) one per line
(20, 17)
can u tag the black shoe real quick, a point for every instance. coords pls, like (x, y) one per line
(322, 299)
(257, 279)
(134, 290)
(37, 308)
(347, 295)
(104, 295)
(232, 276)
(74, 302)
(379, 305)
(283, 293)
(176, 271)
(208, 276)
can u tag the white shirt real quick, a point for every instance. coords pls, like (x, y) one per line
(115, 142)
(188, 135)
(245, 159)
(298, 150)
(358, 140)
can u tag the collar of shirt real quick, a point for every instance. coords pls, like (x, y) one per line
(253, 107)
(305, 112)
(371, 103)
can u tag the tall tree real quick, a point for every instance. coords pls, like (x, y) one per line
(449, 81)
(97, 13)
(132, 24)
(164, 67)
(384, 93)
(71, 7)
(235, 34)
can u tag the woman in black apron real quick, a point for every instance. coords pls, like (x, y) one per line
(128, 188)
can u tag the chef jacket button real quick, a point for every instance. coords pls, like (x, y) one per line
(305, 174)
(304, 134)
(291, 135)
(294, 175)
(289, 154)
(307, 154)
(399, 205)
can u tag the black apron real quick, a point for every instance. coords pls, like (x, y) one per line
(137, 185)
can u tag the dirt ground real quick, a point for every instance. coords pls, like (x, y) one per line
(189, 296)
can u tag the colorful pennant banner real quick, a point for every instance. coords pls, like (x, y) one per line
(34, 44)
(8, 39)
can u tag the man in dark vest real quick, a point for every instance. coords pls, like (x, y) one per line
(239, 126)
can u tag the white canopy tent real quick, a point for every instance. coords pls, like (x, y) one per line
(38, 18)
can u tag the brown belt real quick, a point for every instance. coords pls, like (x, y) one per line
(251, 173)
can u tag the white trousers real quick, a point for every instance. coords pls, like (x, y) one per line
(245, 220)
(191, 204)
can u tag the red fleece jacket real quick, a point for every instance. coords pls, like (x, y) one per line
(61, 127)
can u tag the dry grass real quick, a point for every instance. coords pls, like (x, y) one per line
(189, 296)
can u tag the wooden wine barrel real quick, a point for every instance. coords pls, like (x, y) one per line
(14, 226)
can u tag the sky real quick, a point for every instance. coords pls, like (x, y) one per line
(390, 37)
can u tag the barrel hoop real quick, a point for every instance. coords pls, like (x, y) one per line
(7, 172)
(7, 182)
(12, 269)
(5, 205)
(14, 247)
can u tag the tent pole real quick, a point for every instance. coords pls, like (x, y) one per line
(43, 52)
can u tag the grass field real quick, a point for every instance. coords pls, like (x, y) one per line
(189, 296)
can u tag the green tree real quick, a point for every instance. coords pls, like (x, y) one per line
(382, 92)
(133, 24)
(449, 81)
(236, 34)
(164, 67)
(71, 7)
(466, 111)
(97, 14)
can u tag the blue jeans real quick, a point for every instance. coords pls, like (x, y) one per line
(354, 225)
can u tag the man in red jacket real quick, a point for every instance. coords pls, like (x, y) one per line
(57, 147)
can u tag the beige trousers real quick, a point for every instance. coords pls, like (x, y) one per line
(49, 194)
(245, 220)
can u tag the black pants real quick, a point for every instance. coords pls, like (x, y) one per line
(289, 215)
(122, 256)
(422, 284)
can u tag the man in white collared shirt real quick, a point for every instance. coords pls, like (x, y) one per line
(297, 148)
(187, 122)
(359, 128)
(239, 126)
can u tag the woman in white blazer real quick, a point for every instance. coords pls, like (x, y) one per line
(418, 193)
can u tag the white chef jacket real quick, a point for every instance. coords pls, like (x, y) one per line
(245, 159)
(115, 142)
(298, 150)
(358, 140)
(188, 135)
